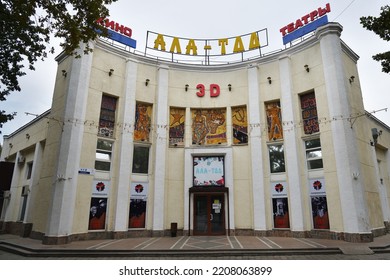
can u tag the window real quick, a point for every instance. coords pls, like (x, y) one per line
(107, 116)
(276, 158)
(29, 170)
(23, 205)
(103, 155)
(141, 159)
(313, 154)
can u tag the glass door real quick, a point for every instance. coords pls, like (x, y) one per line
(209, 217)
(217, 217)
(201, 215)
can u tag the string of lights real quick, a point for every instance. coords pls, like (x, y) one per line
(287, 126)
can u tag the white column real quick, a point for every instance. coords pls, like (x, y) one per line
(125, 154)
(61, 210)
(386, 189)
(259, 214)
(160, 148)
(35, 173)
(353, 205)
(381, 187)
(188, 170)
(291, 147)
(12, 209)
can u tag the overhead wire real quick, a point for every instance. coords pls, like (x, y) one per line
(346, 8)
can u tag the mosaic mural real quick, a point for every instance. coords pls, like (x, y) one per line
(143, 122)
(240, 125)
(309, 113)
(176, 126)
(208, 126)
(274, 121)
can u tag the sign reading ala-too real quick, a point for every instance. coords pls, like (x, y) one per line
(206, 48)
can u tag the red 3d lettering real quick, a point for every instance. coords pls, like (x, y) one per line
(201, 91)
(215, 90)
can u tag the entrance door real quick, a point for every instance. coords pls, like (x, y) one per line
(209, 216)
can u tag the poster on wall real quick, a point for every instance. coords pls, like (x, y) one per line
(240, 125)
(280, 204)
(279, 189)
(139, 190)
(317, 187)
(137, 215)
(138, 202)
(97, 213)
(209, 171)
(98, 206)
(176, 126)
(100, 188)
(208, 126)
(274, 121)
(319, 208)
(280, 212)
(143, 122)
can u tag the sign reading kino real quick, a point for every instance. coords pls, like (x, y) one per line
(207, 47)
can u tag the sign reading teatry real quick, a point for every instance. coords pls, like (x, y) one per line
(305, 24)
(207, 47)
(118, 32)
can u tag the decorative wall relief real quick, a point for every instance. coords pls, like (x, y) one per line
(208, 126)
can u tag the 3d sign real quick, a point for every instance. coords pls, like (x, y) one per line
(305, 24)
(215, 90)
(118, 32)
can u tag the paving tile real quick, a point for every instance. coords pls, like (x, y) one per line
(201, 247)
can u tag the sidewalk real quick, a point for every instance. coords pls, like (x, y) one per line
(192, 247)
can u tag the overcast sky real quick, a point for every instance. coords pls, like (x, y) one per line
(214, 19)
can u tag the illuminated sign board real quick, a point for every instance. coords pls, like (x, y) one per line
(209, 171)
(118, 32)
(177, 46)
(305, 24)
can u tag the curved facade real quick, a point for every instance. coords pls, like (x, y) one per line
(280, 145)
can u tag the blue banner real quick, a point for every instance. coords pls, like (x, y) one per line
(305, 30)
(122, 39)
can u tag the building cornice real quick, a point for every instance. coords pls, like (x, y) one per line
(37, 119)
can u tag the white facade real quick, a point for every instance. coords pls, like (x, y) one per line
(280, 178)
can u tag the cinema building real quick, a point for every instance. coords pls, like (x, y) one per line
(278, 145)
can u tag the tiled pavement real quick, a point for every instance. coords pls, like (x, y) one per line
(196, 247)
